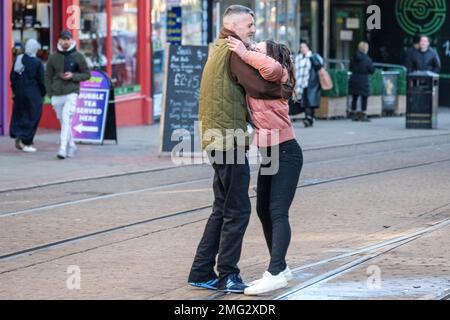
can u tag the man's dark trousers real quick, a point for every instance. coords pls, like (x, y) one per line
(226, 226)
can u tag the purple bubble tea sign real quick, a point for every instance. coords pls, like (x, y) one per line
(88, 122)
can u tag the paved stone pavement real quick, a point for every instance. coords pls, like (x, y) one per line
(138, 150)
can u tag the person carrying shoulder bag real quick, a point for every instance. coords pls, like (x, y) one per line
(307, 67)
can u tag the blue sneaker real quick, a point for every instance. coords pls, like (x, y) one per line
(233, 283)
(211, 284)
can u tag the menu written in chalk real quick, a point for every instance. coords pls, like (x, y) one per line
(184, 67)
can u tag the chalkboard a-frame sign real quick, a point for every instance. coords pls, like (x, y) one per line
(183, 72)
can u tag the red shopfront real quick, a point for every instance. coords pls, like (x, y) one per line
(114, 35)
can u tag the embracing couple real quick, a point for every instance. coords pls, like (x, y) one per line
(243, 83)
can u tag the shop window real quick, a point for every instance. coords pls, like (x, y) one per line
(272, 20)
(192, 33)
(292, 25)
(277, 20)
(192, 22)
(281, 21)
(266, 20)
(124, 24)
(307, 22)
(31, 20)
(159, 32)
(159, 17)
(261, 18)
(93, 33)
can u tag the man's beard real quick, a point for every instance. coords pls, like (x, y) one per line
(251, 43)
(250, 40)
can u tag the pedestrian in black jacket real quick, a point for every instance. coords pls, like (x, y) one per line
(423, 59)
(410, 52)
(361, 67)
(27, 84)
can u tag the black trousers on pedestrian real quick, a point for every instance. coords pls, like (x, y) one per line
(310, 110)
(25, 119)
(310, 113)
(363, 102)
(274, 197)
(226, 226)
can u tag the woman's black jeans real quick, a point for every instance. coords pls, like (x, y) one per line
(274, 197)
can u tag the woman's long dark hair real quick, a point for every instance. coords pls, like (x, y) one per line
(282, 54)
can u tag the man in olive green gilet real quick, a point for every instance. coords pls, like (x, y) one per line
(224, 115)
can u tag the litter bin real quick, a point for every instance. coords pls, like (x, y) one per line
(422, 100)
(389, 98)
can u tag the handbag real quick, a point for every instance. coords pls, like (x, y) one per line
(325, 80)
(295, 107)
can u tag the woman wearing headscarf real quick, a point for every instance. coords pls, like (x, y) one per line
(27, 84)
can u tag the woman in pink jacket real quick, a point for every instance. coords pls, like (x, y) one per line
(282, 158)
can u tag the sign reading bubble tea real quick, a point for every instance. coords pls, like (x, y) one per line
(88, 123)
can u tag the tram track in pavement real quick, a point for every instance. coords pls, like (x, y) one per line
(368, 254)
(362, 256)
(108, 231)
(171, 168)
(105, 196)
(444, 296)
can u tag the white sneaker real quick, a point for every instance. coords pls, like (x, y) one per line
(62, 154)
(71, 151)
(288, 275)
(267, 283)
(28, 149)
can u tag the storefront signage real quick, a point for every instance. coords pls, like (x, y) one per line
(421, 17)
(346, 35)
(88, 123)
(174, 26)
(352, 23)
(406, 18)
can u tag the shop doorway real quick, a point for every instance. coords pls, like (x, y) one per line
(347, 30)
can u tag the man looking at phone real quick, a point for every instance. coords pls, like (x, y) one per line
(66, 68)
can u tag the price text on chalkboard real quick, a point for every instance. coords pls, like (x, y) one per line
(184, 67)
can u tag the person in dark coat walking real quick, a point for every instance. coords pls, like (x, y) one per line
(307, 66)
(27, 84)
(424, 59)
(410, 52)
(361, 67)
